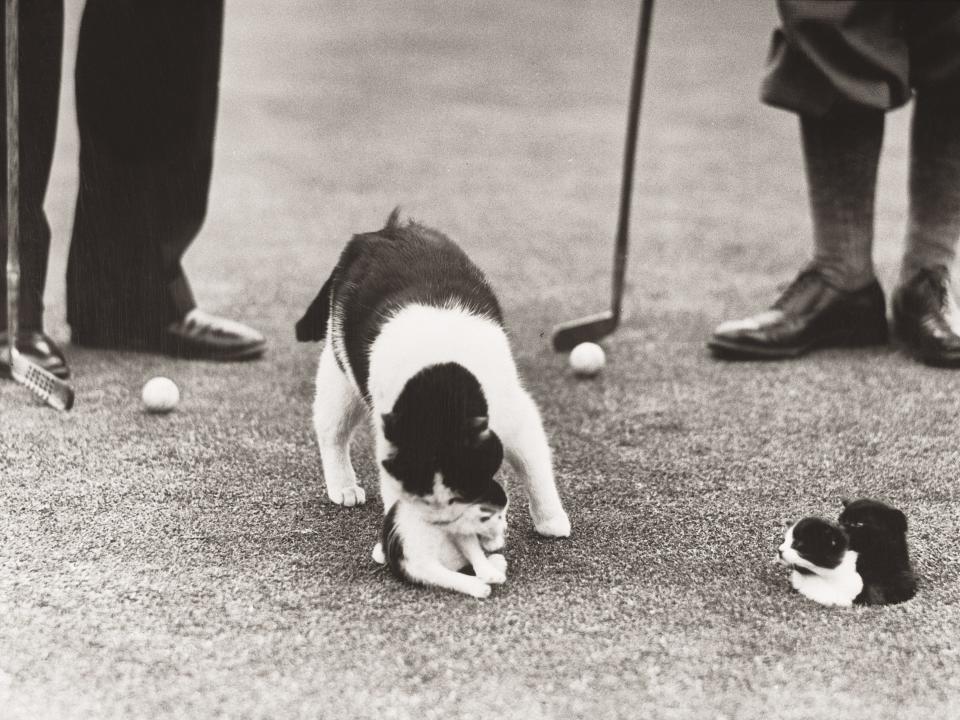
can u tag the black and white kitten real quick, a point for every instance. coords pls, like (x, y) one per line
(407, 537)
(878, 534)
(416, 344)
(824, 567)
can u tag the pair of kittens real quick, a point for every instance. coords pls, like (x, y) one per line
(416, 345)
(860, 560)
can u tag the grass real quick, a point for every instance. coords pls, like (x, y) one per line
(190, 566)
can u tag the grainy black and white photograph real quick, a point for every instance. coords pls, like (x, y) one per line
(476, 359)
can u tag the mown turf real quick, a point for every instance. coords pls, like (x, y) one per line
(190, 566)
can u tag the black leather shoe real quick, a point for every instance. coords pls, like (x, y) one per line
(811, 313)
(200, 335)
(927, 319)
(37, 348)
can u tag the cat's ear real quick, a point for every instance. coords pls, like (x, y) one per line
(389, 422)
(490, 456)
(898, 519)
(845, 501)
(390, 465)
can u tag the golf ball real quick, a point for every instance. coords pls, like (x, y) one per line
(587, 359)
(160, 395)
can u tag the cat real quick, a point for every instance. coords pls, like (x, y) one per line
(824, 567)
(416, 344)
(877, 534)
(457, 544)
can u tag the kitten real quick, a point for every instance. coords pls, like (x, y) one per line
(456, 544)
(824, 567)
(417, 345)
(878, 534)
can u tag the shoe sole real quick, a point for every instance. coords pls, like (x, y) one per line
(729, 350)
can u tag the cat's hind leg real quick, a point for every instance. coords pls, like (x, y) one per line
(528, 451)
(337, 412)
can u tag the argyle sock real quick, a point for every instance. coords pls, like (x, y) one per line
(842, 153)
(933, 228)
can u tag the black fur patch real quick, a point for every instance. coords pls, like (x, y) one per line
(383, 271)
(392, 544)
(433, 427)
(819, 542)
(878, 533)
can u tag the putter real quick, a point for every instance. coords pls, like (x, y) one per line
(46, 386)
(568, 335)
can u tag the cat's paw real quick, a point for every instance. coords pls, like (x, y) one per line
(496, 571)
(499, 562)
(348, 496)
(475, 587)
(493, 543)
(556, 526)
(377, 554)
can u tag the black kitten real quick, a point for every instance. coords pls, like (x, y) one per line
(878, 535)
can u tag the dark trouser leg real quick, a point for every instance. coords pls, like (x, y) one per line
(933, 229)
(841, 151)
(41, 45)
(147, 81)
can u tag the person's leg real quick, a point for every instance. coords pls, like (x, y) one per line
(147, 83)
(41, 46)
(924, 308)
(839, 66)
(841, 152)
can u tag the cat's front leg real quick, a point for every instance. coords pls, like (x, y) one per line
(489, 572)
(337, 411)
(433, 573)
(528, 452)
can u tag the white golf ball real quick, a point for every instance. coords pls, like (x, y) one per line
(587, 359)
(160, 395)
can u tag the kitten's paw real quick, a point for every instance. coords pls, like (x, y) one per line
(377, 554)
(499, 562)
(556, 526)
(475, 587)
(496, 573)
(348, 496)
(492, 544)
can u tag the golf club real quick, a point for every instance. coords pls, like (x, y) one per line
(568, 335)
(46, 386)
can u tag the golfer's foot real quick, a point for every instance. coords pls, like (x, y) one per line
(38, 349)
(203, 336)
(926, 317)
(810, 314)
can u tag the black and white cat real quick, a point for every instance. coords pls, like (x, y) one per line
(416, 344)
(824, 567)
(878, 534)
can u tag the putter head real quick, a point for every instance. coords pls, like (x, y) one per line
(46, 386)
(568, 335)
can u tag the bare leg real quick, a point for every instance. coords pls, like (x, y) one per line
(529, 453)
(337, 411)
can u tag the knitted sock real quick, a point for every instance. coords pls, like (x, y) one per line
(842, 153)
(933, 228)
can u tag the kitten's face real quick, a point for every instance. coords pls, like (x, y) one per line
(483, 514)
(813, 544)
(870, 522)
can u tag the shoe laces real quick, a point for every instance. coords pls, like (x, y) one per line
(806, 277)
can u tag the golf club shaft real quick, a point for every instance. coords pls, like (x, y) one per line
(629, 156)
(12, 58)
